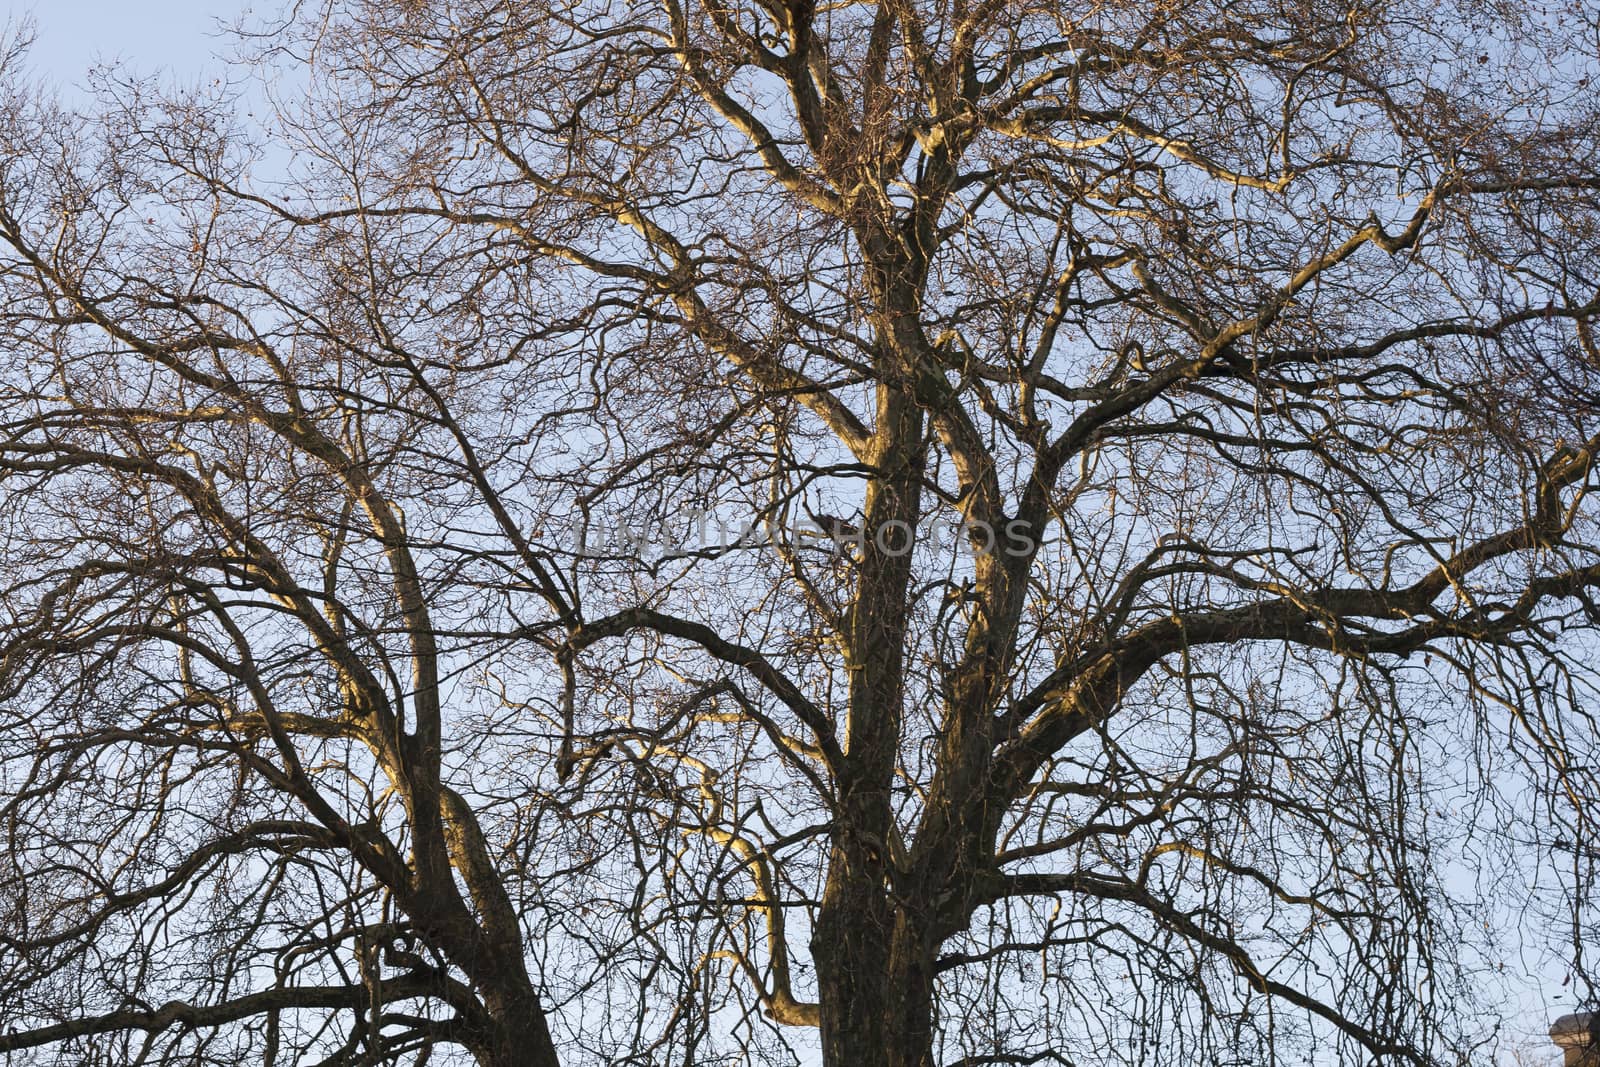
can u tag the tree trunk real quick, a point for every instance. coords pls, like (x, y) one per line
(874, 975)
(519, 1037)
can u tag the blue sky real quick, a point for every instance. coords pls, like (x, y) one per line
(177, 37)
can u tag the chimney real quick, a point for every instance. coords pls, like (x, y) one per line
(1578, 1036)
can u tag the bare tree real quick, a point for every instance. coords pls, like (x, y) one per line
(239, 629)
(954, 533)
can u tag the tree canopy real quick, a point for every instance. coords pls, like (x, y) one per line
(902, 533)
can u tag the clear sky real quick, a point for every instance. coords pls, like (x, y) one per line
(180, 38)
